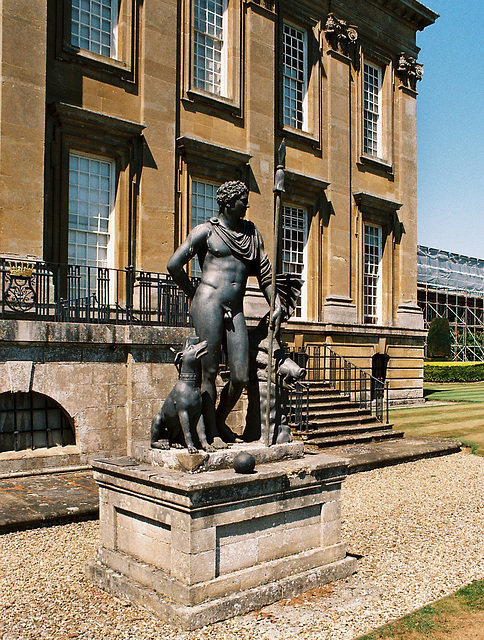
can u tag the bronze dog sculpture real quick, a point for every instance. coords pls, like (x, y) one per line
(180, 420)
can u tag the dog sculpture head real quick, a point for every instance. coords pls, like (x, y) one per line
(290, 373)
(192, 351)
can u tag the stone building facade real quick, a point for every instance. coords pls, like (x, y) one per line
(118, 120)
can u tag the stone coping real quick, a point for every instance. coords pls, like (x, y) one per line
(202, 461)
(210, 488)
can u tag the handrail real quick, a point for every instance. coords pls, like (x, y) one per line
(325, 365)
(298, 406)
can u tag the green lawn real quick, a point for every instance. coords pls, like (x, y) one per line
(457, 616)
(462, 418)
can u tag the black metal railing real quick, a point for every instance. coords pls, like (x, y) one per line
(298, 406)
(322, 364)
(75, 293)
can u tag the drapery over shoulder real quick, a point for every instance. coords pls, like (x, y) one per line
(246, 245)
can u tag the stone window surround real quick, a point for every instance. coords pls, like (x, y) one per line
(309, 192)
(125, 64)
(380, 212)
(298, 83)
(382, 164)
(77, 129)
(372, 291)
(297, 213)
(311, 133)
(233, 99)
(205, 162)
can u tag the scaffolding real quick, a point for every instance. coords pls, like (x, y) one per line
(452, 286)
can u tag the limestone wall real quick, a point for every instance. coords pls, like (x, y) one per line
(109, 379)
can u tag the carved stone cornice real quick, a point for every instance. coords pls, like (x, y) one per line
(409, 71)
(341, 37)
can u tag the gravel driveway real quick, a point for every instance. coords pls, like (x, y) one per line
(418, 527)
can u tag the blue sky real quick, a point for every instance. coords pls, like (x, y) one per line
(451, 129)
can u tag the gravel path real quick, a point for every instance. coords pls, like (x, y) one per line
(419, 528)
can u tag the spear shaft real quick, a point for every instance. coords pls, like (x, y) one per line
(278, 190)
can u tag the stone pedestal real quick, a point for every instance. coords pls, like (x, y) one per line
(202, 547)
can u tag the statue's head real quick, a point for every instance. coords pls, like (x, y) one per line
(230, 191)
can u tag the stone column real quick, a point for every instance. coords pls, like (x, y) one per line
(339, 305)
(408, 314)
(158, 62)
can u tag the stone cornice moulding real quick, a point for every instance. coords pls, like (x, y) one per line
(368, 201)
(297, 182)
(67, 114)
(199, 149)
(411, 11)
(385, 211)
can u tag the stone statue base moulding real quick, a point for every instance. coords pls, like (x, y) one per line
(200, 547)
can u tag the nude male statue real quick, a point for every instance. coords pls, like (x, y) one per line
(229, 249)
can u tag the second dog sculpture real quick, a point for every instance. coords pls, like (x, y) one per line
(181, 413)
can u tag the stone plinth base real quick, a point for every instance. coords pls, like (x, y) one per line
(199, 548)
(181, 460)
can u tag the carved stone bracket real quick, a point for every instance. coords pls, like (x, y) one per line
(409, 71)
(341, 37)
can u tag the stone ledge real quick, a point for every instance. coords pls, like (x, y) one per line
(242, 580)
(202, 461)
(194, 617)
(194, 489)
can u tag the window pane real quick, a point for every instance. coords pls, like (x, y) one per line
(294, 238)
(204, 207)
(209, 45)
(371, 110)
(89, 236)
(89, 31)
(294, 76)
(372, 275)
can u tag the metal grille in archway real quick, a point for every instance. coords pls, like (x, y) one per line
(32, 421)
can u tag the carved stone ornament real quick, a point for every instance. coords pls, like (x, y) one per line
(340, 36)
(20, 295)
(409, 71)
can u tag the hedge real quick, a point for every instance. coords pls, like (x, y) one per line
(453, 371)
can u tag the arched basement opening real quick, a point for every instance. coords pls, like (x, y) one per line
(379, 364)
(33, 421)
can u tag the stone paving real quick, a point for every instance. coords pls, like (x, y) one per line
(54, 498)
(31, 501)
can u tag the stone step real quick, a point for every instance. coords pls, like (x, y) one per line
(309, 436)
(333, 407)
(337, 420)
(371, 436)
(327, 397)
(348, 409)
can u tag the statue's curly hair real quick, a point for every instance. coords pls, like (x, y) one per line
(230, 190)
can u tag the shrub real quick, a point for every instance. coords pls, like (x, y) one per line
(453, 371)
(439, 343)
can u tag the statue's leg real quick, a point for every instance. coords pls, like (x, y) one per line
(202, 435)
(209, 325)
(159, 435)
(238, 360)
(185, 425)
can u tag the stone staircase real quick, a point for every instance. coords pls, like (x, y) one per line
(334, 420)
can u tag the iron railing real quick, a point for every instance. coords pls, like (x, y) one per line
(298, 406)
(75, 293)
(325, 365)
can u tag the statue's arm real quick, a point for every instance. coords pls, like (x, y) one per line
(182, 256)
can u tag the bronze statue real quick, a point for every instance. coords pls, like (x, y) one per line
(179, 422)
(229, 249)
